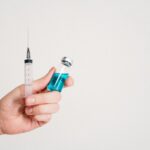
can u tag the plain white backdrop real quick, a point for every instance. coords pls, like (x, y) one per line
(108, 108)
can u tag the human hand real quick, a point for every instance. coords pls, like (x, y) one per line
(19, 114)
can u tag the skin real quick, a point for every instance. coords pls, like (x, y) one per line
(19, 114)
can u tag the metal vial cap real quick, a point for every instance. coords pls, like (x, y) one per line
(67, 61)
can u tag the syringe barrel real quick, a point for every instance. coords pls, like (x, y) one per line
(28, 79)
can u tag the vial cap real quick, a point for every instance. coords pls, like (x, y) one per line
(67, 61)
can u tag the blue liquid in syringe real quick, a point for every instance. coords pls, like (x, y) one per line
(57, 82)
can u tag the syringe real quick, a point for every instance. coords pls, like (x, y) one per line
(28, 74)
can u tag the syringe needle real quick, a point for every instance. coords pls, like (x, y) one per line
(28, 70)
(28, 53)
(28, 37)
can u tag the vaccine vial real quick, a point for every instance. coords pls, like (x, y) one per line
(58, 79)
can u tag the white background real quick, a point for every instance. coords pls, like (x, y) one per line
(108, 108)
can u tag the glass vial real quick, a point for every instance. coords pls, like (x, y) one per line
(58, 79)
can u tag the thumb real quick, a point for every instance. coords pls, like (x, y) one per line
(40, 84)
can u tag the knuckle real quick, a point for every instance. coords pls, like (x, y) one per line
(34, 110)
(36, 98)
(36, 117)
(38, 109)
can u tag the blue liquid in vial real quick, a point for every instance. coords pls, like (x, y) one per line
(53, 86)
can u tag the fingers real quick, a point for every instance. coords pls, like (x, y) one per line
(69, 82)
(42, 109)
(41, 83)
(43, 118)
(38, 85)
(43, 98)
(44, 103)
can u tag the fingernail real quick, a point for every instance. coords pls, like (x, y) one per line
(30, 101)
(28, 111)
(53, 69)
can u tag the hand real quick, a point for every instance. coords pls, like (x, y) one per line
(18, 114)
